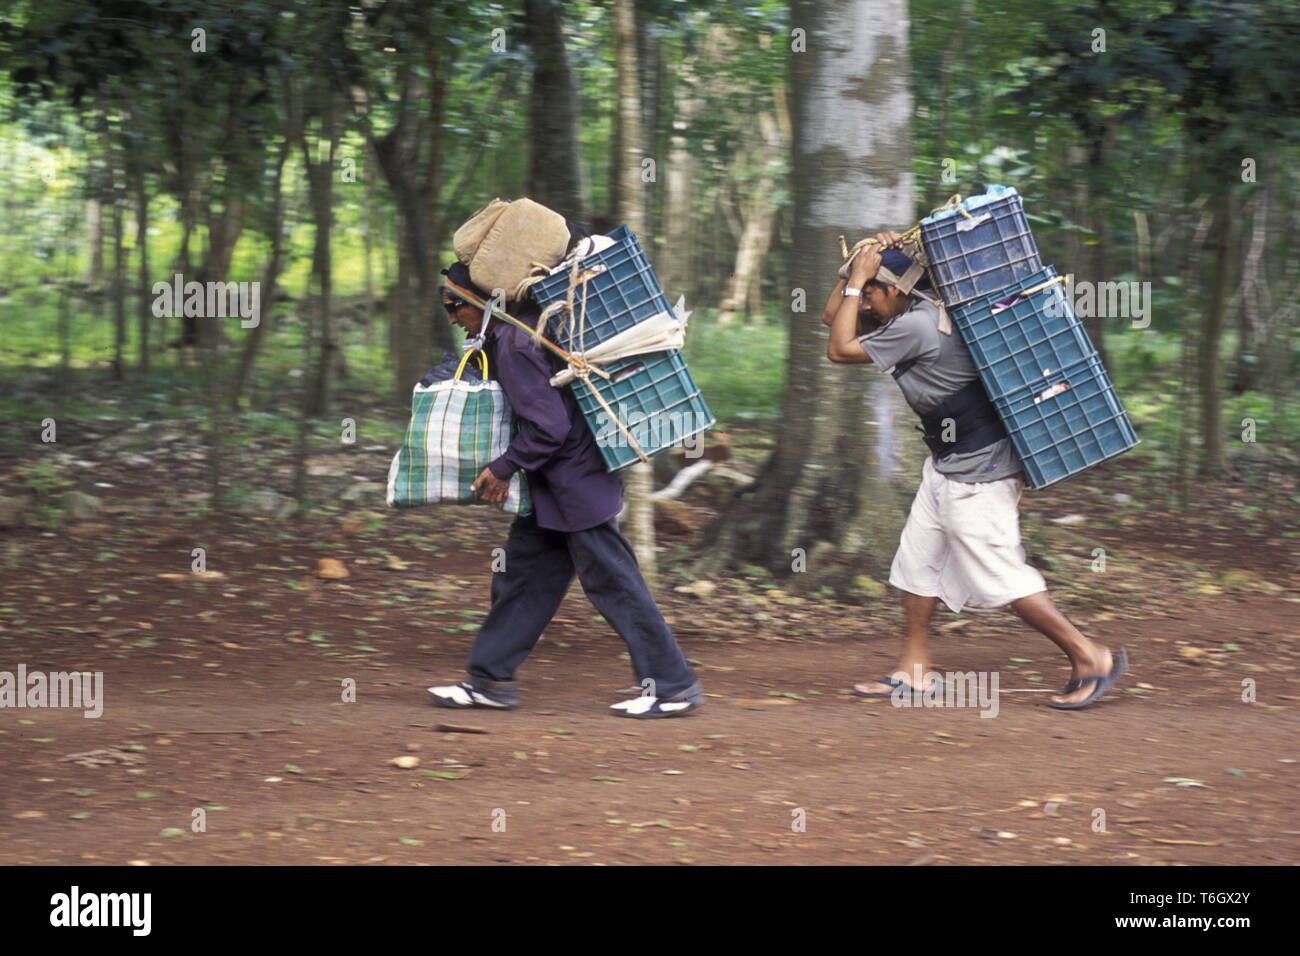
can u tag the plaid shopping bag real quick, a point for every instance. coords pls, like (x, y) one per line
(456, 428)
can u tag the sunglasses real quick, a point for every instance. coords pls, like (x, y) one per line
(453, 302)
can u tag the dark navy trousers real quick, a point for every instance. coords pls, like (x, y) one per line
(539, 566)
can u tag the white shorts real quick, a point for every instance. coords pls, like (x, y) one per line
(961, 544)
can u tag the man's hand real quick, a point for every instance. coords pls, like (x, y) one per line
(494, 490)
(866, 261)
(865, 265)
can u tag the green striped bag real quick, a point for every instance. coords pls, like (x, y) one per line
(456, 428)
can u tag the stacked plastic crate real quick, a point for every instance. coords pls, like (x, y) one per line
(1034, 357)
(652, 394)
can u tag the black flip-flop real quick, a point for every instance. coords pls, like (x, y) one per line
(894, 684)
(1119, 666)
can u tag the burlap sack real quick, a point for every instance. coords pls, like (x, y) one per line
(506, 242)
(467, 238)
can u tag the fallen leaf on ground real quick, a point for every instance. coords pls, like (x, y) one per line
(331, 569)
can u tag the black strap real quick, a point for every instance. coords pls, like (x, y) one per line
(975, 422)
(903, 367)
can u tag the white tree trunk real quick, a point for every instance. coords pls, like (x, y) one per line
(756, 234)
(674, 258)
(638, 481)
(852, 175)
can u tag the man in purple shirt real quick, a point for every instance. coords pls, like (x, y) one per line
(574, 529)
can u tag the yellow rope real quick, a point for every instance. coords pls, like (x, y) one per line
(910, 236)
(1041, 286)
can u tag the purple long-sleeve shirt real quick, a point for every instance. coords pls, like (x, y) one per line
(571, 489)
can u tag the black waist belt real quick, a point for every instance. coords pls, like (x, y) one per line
(974, 422)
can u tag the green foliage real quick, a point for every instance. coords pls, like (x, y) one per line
(41, 477)
(1014, 92)
(44, 481)
(740, 368)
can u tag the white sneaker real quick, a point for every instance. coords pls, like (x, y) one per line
(463, 695)
(645, 707)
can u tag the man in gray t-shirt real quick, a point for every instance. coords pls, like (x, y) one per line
(961, 542)
(941, 366)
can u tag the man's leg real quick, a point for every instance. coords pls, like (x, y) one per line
(609, 573)
(915, 662)
(988, 557)
(525, 596)
(921, 557)
(1087, 658)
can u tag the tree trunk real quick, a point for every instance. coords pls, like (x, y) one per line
(422, 70)
(418, 326)
(320, 177)
(756, 233)
(274, 266)
(1196, 226)
(649, 72)
(429, 334)
(952, 56)
(1213, 457)
(95, 239)
(399, 312)
(65, 293)
(555, 171)
(142, 240)
(367, 243)
(638, 481)
(673, 261)
(1098, 173)
(1075, 160)
(1252, 295)
(119, 291)
(832, 475)
(224, 230)
(1280, 286)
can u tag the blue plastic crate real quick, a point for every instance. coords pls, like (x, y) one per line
(623, 292)
(654, 395)
(1016, 339)
(1060, 431)
(982, 246)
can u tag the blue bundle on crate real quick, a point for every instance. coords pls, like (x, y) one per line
(652, 394)
(980, 245)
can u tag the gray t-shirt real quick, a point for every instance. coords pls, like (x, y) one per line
(943, 365)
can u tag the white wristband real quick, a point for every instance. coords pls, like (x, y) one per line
(848, 291)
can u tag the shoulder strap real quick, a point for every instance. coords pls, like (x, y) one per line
(902, 367)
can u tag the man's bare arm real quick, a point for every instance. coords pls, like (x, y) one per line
(833, 303)
(844, 347)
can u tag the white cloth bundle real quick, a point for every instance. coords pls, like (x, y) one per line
(589, 245)
(659, 332)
